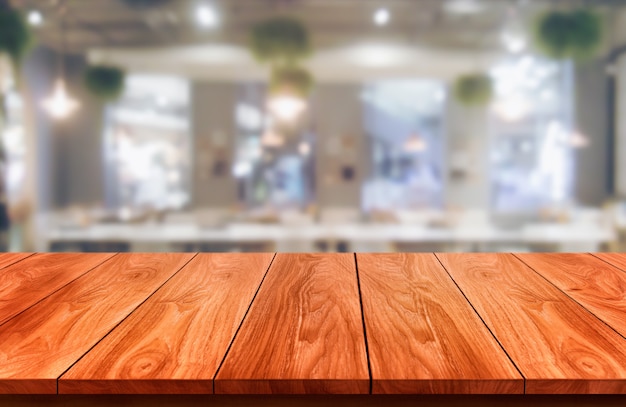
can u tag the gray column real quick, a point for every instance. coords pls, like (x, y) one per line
(213, 132)
(468, 183)
(337, 113)
(591, 109)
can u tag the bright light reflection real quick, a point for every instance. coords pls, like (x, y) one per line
(60, 105)
(207, 16)
(512, 109)
(382, 16)
(285, 107)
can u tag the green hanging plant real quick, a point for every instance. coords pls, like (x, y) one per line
(15, 34)
(575, 34)
(280, 41)
(474, 89)
(293, 81)
(139, 4)
(105, 82)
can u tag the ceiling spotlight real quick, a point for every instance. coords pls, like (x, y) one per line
(382, 16)
(207, 16)
(35, 18)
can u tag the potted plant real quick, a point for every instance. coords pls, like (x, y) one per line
(105, 82)
(280, 41)
(474, 89)
(574, 34)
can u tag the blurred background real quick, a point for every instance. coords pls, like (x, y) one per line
(313, 125)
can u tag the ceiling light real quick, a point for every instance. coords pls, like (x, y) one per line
(60, 104)
(35, 18)
(464, 6)
(207, 16)
(286, 107)
(382, 16)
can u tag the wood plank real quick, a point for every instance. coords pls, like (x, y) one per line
(596, 285)
(423, 336)
(38, 345)
(6, 259)
(616, 259)
(303, 333)
(355, 400)
(175, 341)
(34, 278)
(558, 346)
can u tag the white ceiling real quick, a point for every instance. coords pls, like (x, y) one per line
(356, 62)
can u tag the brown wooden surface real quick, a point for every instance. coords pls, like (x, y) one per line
(175, 342)
(34, 278)
(558, 346)
(164, 323)
(352, 400)
(38, 345)
(303, 333)
(6, 259)
(422, 334)
(596, 285)
(616, 259)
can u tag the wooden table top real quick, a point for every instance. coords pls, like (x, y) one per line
(186, 323)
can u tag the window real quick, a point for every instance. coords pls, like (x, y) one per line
(532, 135)
(148, 145)
(403, 119)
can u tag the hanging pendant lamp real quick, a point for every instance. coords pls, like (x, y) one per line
(60, 104)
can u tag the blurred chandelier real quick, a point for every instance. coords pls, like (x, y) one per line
(60, 104)
(286, 107)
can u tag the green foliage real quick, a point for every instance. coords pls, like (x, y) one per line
(292, 81)
(145, 3)
(105, 82)
(573, 34)
(474, 89)
(280, 41)
(15, 34)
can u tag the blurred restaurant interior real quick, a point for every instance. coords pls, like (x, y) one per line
(313, 125)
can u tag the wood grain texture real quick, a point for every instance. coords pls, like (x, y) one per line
(558, 346)
(175, 341)
(32, 279)
(6, 259)
(596, 285)
(303, 333)
(38, 345)
(423, 336)
(616, 259)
